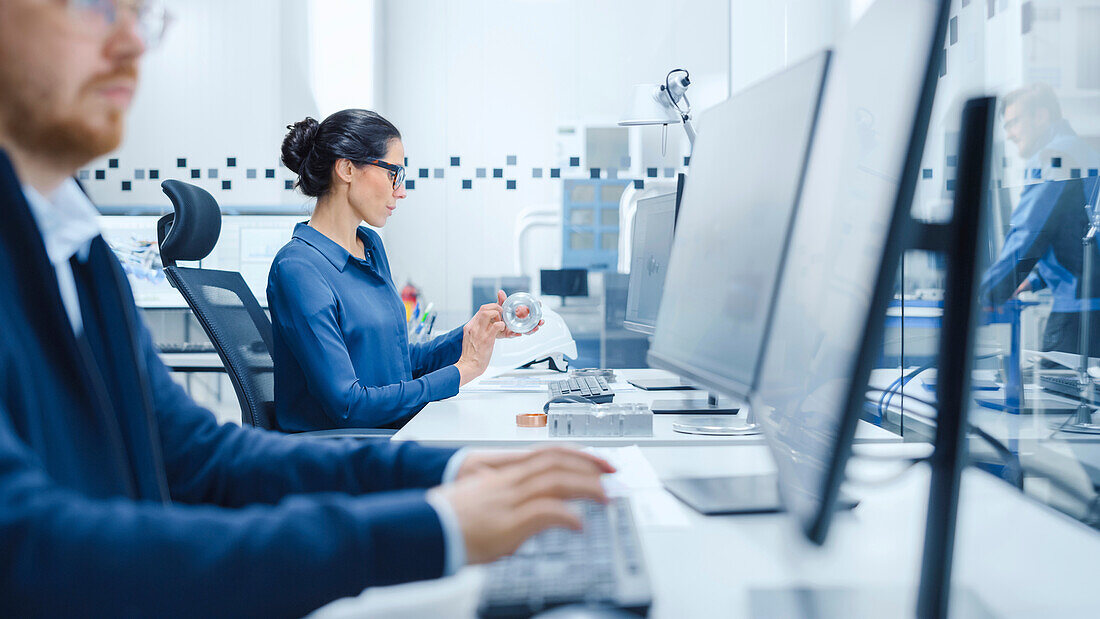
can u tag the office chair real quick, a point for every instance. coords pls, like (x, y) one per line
(225, 307)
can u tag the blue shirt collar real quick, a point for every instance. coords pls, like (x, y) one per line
(330, 249)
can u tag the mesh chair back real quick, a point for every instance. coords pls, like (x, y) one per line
(240, 332)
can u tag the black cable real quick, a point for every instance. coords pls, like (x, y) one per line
(668, 92)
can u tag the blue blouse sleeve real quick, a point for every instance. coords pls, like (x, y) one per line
(438, 353)
(308, 319)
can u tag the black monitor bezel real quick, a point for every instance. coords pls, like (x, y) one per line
(898, 238)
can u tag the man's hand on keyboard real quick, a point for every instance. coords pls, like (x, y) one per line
(486, 460)
(499, 507)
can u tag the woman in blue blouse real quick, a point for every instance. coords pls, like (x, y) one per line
(341, 349)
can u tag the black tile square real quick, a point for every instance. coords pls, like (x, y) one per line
(1075, 172)
(181, 162)
(288, 184)
(406, 163)
(423, 172)
(687, 161)
(126, 185)
(498, 172)
(467, 183)
(951, 185)
(455, 162)
(639, 183)
(269, 173)
(112, 163)
(574, 162)
(227, 185)
(926, 173)
(1055, 162)
(230, 162)
(593, 172)
(196, 173)
(555, 172)
(510, 184)
(410, 184)
(651, 172)
(100, 175)
(154, 175)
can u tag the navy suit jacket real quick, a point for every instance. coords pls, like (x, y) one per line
(120, 496)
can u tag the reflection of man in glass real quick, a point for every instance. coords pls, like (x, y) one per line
(1043, 245)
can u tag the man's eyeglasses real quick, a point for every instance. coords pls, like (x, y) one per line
(151, 17)
(397, 172)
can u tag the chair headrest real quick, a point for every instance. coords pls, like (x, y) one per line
(192, 231)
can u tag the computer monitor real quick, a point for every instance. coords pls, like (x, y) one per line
(651, 245)
(735, 214)
(846, 241)
(564, 283)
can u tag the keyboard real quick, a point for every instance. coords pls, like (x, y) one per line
(601, 565)
(1067, 386)
(592, 388)
(176, 347)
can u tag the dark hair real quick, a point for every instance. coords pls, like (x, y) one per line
(310, 149)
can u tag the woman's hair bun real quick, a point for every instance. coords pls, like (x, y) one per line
(298, 143)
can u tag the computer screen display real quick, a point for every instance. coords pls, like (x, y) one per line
(651, 246)
(844, 249)
(732, 230)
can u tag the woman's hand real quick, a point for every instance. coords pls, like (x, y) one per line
(521, 312)
(478, 337)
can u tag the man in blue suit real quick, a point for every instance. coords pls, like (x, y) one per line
(118, 494)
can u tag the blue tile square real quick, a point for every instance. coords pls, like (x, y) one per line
(1055, 162)
(454, 162)
(423, 172)
(126, 185)
(269, 173)
(593, 172)
(100, 175)
(536, 172)
(288, 185)
(467, 183)
(406, 162)
(951, 185)
(624, 162)
(669, 172)
(438, 173)
(410, 184)
(112, 163)
(510, 160)
(498, 172)
(651, 172)
(1036, 173)
(83, 175)
(687, 161)
(154, 175)
(480, 173)
(212, 173)
(230, 162)
(181, 162)
(612, 173)
(139, 175)
(943, 64)
(1075, 172)
(953, 34)
(226, 185)
(555, 172)
(639, 183)
(1092, 171)
(510, 184)
(952, 160)
(574, 162)
(926, 173)
(250, 173)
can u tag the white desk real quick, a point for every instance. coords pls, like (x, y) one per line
(192, 361)
(1021, 558)
(485, 418)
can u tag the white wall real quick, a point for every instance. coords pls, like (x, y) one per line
(485, 79)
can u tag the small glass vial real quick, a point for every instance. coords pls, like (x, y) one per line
(522, 312)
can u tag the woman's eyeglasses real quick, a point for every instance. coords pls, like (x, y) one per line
(397, 172)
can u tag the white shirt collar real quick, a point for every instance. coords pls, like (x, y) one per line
(67, 220)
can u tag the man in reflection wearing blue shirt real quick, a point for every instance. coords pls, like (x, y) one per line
(119, 496)
(1043, 245)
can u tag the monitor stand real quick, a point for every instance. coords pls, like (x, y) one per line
(738, 494)
(712, 405)
(674, 383)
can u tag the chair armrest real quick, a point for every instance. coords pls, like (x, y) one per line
(346, 433)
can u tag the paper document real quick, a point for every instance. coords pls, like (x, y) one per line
(635, 478)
